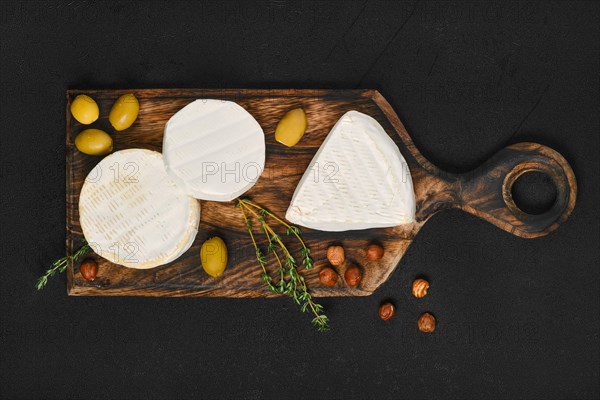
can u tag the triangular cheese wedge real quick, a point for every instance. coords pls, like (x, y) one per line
(357, 180)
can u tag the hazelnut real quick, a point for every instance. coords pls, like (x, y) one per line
(328, 276)
(335, 255)
(353, 276)
(88, 269)
(374, 252)
(427, 323)
(386, 311)
(419, 288)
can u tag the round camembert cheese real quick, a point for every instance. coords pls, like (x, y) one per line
(214, 149)
(133, 214)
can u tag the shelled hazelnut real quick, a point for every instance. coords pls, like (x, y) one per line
(88, 269)
(386, 311)
(419, 288)
(426, 323)
(374, 252)
(335, 255)
(353, 276)
(328, 276)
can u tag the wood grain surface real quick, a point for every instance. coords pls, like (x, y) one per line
(484, 192)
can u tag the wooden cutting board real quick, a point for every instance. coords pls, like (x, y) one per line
(485, 192)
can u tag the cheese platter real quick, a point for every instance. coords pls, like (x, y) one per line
(354, 179)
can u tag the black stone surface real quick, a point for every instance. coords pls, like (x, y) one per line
(516, 318)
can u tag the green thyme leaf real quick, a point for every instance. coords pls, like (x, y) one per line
(60, 265)
(289, 281)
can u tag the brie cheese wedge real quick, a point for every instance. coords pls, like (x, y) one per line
(214, 149)
(358, 179)
(133, 214)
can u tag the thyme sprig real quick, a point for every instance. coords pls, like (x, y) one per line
(61, 264)
(289, 281)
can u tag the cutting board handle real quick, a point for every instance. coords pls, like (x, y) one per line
(487, 191)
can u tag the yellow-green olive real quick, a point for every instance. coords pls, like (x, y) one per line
(213, 256)
(84, 109)
(124, 112)
(94, 142)
(290, 129)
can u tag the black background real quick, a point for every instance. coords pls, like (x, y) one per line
(517, 318)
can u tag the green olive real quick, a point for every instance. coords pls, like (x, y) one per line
(213, 256)
(291, 128)
(84, 109)
(124, 112)
(94, 142)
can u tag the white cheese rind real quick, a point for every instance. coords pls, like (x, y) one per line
(214, 149)
(133, 214)
(358, 179)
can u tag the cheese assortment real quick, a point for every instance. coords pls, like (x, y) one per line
(215, 149)
(357, 180)
(139, 208)
(133, 214)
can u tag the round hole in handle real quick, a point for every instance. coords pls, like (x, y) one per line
(534, 192)
(534, 186)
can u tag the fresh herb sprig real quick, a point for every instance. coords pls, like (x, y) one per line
(61, 264)
(289, 281)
